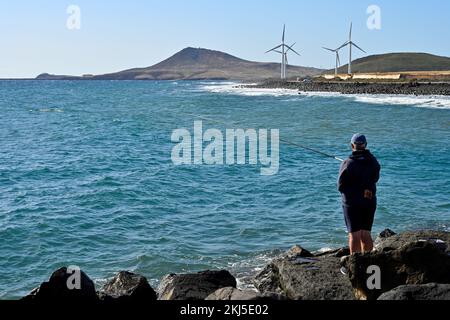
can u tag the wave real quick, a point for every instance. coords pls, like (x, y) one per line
(47, 110)
(325, 249)
(435, 102)
(239, 89)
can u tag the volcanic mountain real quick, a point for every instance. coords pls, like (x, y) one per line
(200, 64)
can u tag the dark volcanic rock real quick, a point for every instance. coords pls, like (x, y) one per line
(268, 280)
(195, 286)
(230, 293)
(386, 233)
(383, 235)
(58, 288)
(305, 278)
(354, 87)
(418, 262)
(431, 291)
(411, 258)
(440, 239)
(127, 286)
(298, 251)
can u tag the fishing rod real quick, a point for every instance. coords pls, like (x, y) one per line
(312, 150)
(281, 139)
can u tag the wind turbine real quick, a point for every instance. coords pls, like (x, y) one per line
(285, 53)
(338, 59)
(284, 49)
(350, 44)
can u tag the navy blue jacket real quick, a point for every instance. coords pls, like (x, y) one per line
(359, 173)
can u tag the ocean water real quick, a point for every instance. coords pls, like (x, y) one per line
(86, 176)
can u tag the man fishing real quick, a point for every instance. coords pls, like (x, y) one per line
(358, 177)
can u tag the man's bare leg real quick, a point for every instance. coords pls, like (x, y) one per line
(366, 241)
(354, 242)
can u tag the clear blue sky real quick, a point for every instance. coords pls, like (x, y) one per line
(116, 35)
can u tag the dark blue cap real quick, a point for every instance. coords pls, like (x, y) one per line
(359, 140)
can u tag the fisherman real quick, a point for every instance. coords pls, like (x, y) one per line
(358, 177)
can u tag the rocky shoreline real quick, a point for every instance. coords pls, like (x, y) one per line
(412, 265)
(354, 87)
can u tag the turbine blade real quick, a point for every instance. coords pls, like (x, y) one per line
(292, 50)
(358, 47)
(350, 34)
(338, 59)
(328, 49)
(284, 31)
(344, 45)
(274, 48)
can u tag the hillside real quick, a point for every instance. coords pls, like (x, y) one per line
(202, 64)
(396, 62)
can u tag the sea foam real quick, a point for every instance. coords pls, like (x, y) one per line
(437, 102)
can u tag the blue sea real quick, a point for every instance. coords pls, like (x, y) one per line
(86, 176)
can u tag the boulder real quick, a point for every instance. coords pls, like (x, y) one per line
(268, 280)
(383, 235)
(440, 239)
(64, 285)
(430, 291)
(195, 286)
(298, 251)
(305, 278)
(417, 262)
(386, 233)
(230, 293)
(127, 286)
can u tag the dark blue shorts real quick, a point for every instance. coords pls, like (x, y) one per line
(359, 218)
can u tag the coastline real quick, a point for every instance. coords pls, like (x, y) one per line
(412, 88)
(414, 266)
(354, 87)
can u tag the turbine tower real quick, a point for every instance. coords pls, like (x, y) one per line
(350, 44)
(338, 59)
(283, 49)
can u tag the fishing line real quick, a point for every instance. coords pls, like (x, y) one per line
(281, 139)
